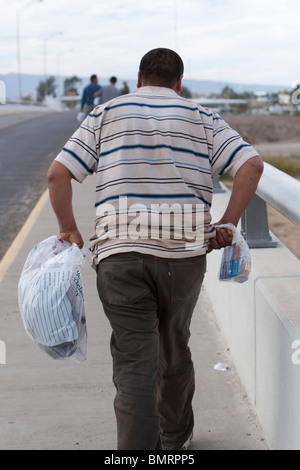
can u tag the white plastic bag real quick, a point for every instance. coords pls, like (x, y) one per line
(236, 258)
(80, 116)
(51, 299)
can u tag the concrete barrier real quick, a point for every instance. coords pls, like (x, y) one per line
(260, 320)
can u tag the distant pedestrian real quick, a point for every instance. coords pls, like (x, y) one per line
(87, 100)
(108, 92)
(125, 90)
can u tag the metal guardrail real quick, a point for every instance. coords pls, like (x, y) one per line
(279, 190)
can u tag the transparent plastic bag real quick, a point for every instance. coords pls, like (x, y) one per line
(51, 300)
(236, 258)
(80, 117)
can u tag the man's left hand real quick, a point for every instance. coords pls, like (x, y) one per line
(223, 238)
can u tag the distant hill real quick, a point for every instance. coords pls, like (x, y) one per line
(200, 87)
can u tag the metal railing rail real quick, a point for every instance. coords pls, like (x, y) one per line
(279, 190)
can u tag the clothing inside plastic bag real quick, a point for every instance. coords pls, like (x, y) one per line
(51, 299)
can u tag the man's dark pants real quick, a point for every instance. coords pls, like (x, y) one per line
(149, 302)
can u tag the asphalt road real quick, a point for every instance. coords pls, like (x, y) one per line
(27, 149)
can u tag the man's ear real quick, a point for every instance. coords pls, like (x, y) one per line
(178, 86)
(139, 80)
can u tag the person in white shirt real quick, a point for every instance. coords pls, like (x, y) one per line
(155, 154)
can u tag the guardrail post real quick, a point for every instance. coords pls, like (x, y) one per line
(255, 225)
(217, 188)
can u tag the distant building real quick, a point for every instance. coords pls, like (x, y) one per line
(284, 98)
(221, 104)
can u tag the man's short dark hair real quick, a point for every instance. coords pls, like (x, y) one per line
(93, 77)
(161, 67)
(113, 79)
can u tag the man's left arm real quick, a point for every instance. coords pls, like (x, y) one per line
(98, 92)
(244, 186)
(61, 194)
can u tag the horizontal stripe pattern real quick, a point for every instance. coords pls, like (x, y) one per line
(153, 147)
(48, 318)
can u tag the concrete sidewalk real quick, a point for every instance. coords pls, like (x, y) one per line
(49, 405)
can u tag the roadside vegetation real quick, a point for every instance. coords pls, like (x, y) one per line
(289, 165)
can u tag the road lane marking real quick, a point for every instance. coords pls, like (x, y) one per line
(29, 118)
(18, 242)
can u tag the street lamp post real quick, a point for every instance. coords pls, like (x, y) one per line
(45, 51)
(58, 63)
(176, 26)
(18, 14)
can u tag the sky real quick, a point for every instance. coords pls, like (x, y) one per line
(253, 41)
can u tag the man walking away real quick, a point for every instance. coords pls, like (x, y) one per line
(155, 155)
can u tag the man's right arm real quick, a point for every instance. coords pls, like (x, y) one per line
(60, 190)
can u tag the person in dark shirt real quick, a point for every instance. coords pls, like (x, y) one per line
(87, 100)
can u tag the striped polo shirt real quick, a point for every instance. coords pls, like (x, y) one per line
(155, 155)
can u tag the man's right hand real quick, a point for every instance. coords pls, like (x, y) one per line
(72, 237)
